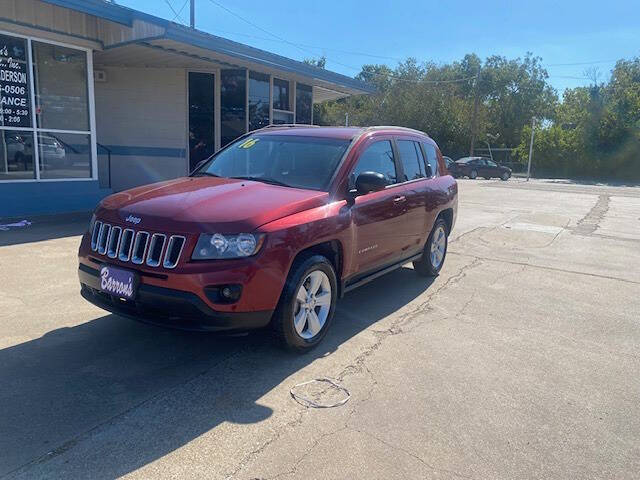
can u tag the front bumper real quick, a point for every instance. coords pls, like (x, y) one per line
(169, 307)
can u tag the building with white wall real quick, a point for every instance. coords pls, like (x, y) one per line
(97, 98)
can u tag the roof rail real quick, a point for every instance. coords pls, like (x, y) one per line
(384, 127)
(289, 125)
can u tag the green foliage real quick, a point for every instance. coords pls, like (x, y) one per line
(439, 99)
(593, 132)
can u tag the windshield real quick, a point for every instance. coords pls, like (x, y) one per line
(287, 160)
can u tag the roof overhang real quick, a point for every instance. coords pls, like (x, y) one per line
(179, 46)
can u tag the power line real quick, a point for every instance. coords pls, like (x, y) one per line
(568, 76)
(231, 12)
(181, 9)
(351, 67)
(580, 63)
(347, 52)
(357, 69)
(177, 14)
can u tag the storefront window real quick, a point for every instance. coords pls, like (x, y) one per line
(281, 94)
(281, 118)
(16, 155)
(60, 75)
(258, 100)
(56, 142)
(304, 103)
(233, 102)
(64, 155)
(201, 117)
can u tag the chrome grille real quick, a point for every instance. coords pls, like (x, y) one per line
(174, 250)
(103, 238)
(126, 243)
(114, 242)
(139, 248)
(155, 249)
(95, 235)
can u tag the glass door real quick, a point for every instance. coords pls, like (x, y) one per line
(201, 117)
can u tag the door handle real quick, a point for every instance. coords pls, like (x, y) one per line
(400, 199)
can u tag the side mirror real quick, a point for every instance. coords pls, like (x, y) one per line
(370, 182)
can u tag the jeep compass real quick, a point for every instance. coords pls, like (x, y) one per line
(271, 231)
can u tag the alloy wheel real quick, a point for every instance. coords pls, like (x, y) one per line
(313, 303)
(438, 246)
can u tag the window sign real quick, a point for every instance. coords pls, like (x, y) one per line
(15, 102)
(56, 140)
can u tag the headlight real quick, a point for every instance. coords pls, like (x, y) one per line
(216, 246)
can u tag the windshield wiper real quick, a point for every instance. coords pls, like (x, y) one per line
(204, 174)
(263, 180)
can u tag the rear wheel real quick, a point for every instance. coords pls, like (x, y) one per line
(473, 174)
(434, 252)
(307, 304)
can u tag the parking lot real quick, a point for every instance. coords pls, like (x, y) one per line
(521, 360)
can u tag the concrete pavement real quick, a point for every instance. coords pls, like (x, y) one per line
(521, 360)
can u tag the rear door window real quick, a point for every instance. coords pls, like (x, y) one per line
(432, 159)
(412, 164)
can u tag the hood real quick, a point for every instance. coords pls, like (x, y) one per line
(197, 204)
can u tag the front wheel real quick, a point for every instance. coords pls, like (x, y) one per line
(307, 304)
(473, 174)
(505, 176)
(434, 251)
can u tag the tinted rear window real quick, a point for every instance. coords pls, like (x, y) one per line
(411, 161)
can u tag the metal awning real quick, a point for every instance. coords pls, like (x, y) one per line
(179, 46)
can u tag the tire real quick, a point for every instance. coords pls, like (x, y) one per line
(304, 334)
(505, 176)
(473, 174)
(431, 262)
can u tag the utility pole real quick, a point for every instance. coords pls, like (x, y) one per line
(346, 119)
(490, 152)
(533, 129)
(474, 117)
(193, 14)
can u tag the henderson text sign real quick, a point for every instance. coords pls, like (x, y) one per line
(15, 104)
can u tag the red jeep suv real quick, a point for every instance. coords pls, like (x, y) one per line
(271, 230)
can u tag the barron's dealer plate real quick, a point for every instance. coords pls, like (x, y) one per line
(118, 282)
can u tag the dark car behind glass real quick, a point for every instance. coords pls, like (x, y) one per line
(474, 167)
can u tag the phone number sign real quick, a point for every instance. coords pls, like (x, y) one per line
(15, 103)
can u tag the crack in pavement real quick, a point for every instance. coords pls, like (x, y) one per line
(591, 221)
(542, 267)
(411, 454)
(316, 442)
(397, 325)
(358, 365)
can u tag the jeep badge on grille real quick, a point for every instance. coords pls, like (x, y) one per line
(133, 219)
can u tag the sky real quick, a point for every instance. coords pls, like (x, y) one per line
(570, 35)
